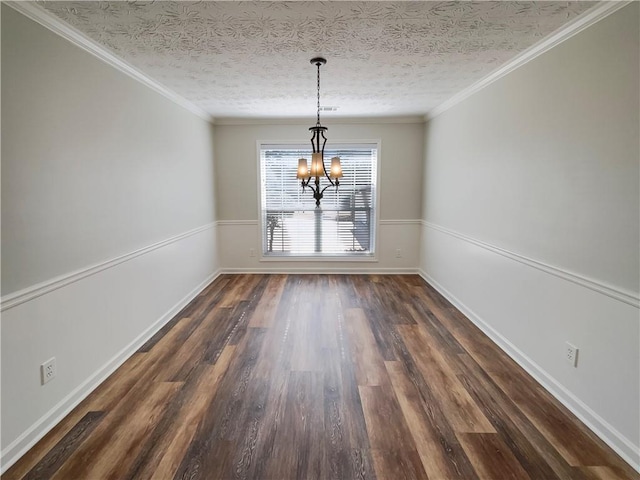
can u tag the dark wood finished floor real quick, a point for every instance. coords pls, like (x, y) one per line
(320, 377)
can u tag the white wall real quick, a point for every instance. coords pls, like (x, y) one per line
(107, 221)
(400, 173)
(108, 211)
(531, 209)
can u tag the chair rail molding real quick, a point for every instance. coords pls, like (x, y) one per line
(22, 296)
(625, 296)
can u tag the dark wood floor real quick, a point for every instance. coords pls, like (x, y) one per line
(320, 377)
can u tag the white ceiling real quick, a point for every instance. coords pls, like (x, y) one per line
(251, 59)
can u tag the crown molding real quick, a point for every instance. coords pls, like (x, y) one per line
(326, 120)
(588, 18)
(39, 15)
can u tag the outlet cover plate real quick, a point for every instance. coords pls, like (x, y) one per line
(571, 354)
(48, 370)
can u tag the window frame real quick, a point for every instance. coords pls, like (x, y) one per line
(372, 257)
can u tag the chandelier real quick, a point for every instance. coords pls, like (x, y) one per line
(318, 141)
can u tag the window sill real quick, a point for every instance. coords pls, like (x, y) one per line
(339, 258)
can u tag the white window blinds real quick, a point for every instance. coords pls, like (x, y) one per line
(344, 225)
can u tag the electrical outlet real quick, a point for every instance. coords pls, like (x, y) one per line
(48, 370)
(571, 354)
(398, 253)
(252, 252)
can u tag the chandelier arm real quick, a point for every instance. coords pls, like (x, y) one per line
(324, 142)
(333, 184)
(307, 184)
(326, 174)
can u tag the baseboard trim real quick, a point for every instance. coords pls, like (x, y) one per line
(630, 298)
(321, 270)
(33, 434)
(409, 221)
(618, 442)
(25, 295)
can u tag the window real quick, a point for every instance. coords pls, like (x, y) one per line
(344, 225)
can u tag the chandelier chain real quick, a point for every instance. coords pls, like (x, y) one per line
(318, 118)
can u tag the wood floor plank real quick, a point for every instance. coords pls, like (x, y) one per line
(386, 426)
(188, 354)
(369, 364)
(112, 448)
(491, 457)
(248, 430)
(470, 337)
(528, 445)
(359, 462)
(306, 350)
(111, 391)
(198, 308)
(240, 290)
(328, 323)
(265, 427)
(447, 345)
(605, 473)
(54, 459)
(210, 454)
(392, 446)
(320, 377)
(302, 425)
(298, 348)
(389, 295)
(264, 315)
(166, 448)
(434, 455)
(574, 441)
(463, 414)
(575, 444)
(148, 368)
(46, 444)
(103, 398)
(336, 438)
(245, 308)
(457, 461)
(398, 465)
(131, 377)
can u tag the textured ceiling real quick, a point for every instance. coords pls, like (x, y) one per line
(251, 59)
